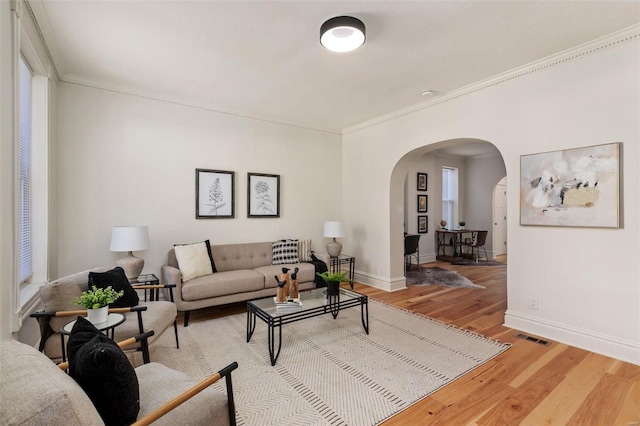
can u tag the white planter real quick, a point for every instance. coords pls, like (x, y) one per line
(96, 316)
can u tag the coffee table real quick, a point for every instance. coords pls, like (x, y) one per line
(314, 303)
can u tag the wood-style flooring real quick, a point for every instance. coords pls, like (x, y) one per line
(529, 384)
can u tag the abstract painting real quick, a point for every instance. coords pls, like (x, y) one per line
(263, 195)
(572, 187)
(214, 194)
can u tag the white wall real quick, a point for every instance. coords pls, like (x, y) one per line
(587, 280)
(481, 176)
(126, 160)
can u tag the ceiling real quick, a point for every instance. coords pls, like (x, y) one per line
(263, 59)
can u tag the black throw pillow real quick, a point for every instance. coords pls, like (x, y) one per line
(117, 279)
(105, 374)
(208, 244)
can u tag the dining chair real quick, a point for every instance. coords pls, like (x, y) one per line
(411, 249)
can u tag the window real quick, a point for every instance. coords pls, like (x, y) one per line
(25, 253)
(450, 196)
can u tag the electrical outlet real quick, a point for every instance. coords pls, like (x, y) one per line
(533, 303)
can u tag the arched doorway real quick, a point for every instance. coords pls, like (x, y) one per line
(479, 164)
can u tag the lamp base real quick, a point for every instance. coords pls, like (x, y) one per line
(132, 265)
(334, 248)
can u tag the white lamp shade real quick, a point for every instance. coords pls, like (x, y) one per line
(333, 229)
(129, 238)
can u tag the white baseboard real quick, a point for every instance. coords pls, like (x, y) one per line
(613, 347)
(382, 283)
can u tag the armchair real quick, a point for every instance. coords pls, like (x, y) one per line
(33, 390)
(57, 297)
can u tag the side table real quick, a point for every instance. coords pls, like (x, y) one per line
(343, 259)
(113, 320)
(147, 279)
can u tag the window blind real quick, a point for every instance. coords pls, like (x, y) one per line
(25, 135)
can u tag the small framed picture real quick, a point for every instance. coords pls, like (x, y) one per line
(422, 203)
(214, 194)
(422, 181)
(422, 225)
(263, 195)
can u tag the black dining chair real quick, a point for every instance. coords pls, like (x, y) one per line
(411, 248)
(477, 242)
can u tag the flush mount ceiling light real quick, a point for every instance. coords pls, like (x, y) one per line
(342, 34)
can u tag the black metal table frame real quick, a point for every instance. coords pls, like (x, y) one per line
(344, 259)
(333, 306)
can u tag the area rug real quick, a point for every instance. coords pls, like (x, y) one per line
(436, 275)
(330, 372)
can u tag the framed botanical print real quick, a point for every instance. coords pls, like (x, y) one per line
(422, 181)
(422, 224)
(263, 195)
(422, 203)
(214, 194)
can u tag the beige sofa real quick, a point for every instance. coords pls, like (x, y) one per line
(244, 272)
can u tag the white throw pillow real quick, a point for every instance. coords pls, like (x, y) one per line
(193, 260)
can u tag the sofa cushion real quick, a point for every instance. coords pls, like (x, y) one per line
(117, 279)
(285, 252)
(101, 368)
(159, 384)
(34, 391)
(234, 257)
(305, 274)
(304, 251)
(222, 284)
(193, 260)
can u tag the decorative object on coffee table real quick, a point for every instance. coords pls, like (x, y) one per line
(334, 229)
(130, 239)
(294, 292)
(284, 276)
(333, 280)
(280, 296)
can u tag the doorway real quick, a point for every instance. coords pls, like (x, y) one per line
(500, 218)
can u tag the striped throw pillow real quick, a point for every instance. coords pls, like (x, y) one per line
(304, 250)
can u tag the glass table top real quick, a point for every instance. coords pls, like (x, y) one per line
(311, 299)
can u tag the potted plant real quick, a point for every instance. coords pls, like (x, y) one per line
(97, 300)
(462, 223)
(333, 280)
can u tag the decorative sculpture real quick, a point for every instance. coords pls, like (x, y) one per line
(281, 296)
(294, 292)
(284, 276)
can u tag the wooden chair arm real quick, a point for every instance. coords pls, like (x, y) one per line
(186, 395)
(151, 286)
(51, 314)
(122, 344)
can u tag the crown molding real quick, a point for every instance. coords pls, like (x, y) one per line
(78, 80)
(560, 58)
(43, 26)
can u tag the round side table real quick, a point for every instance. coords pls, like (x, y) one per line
(113, 320)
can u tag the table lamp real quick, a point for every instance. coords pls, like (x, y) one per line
(130, 239)
(334, 230)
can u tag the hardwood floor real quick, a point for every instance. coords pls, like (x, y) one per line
(529, 384)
